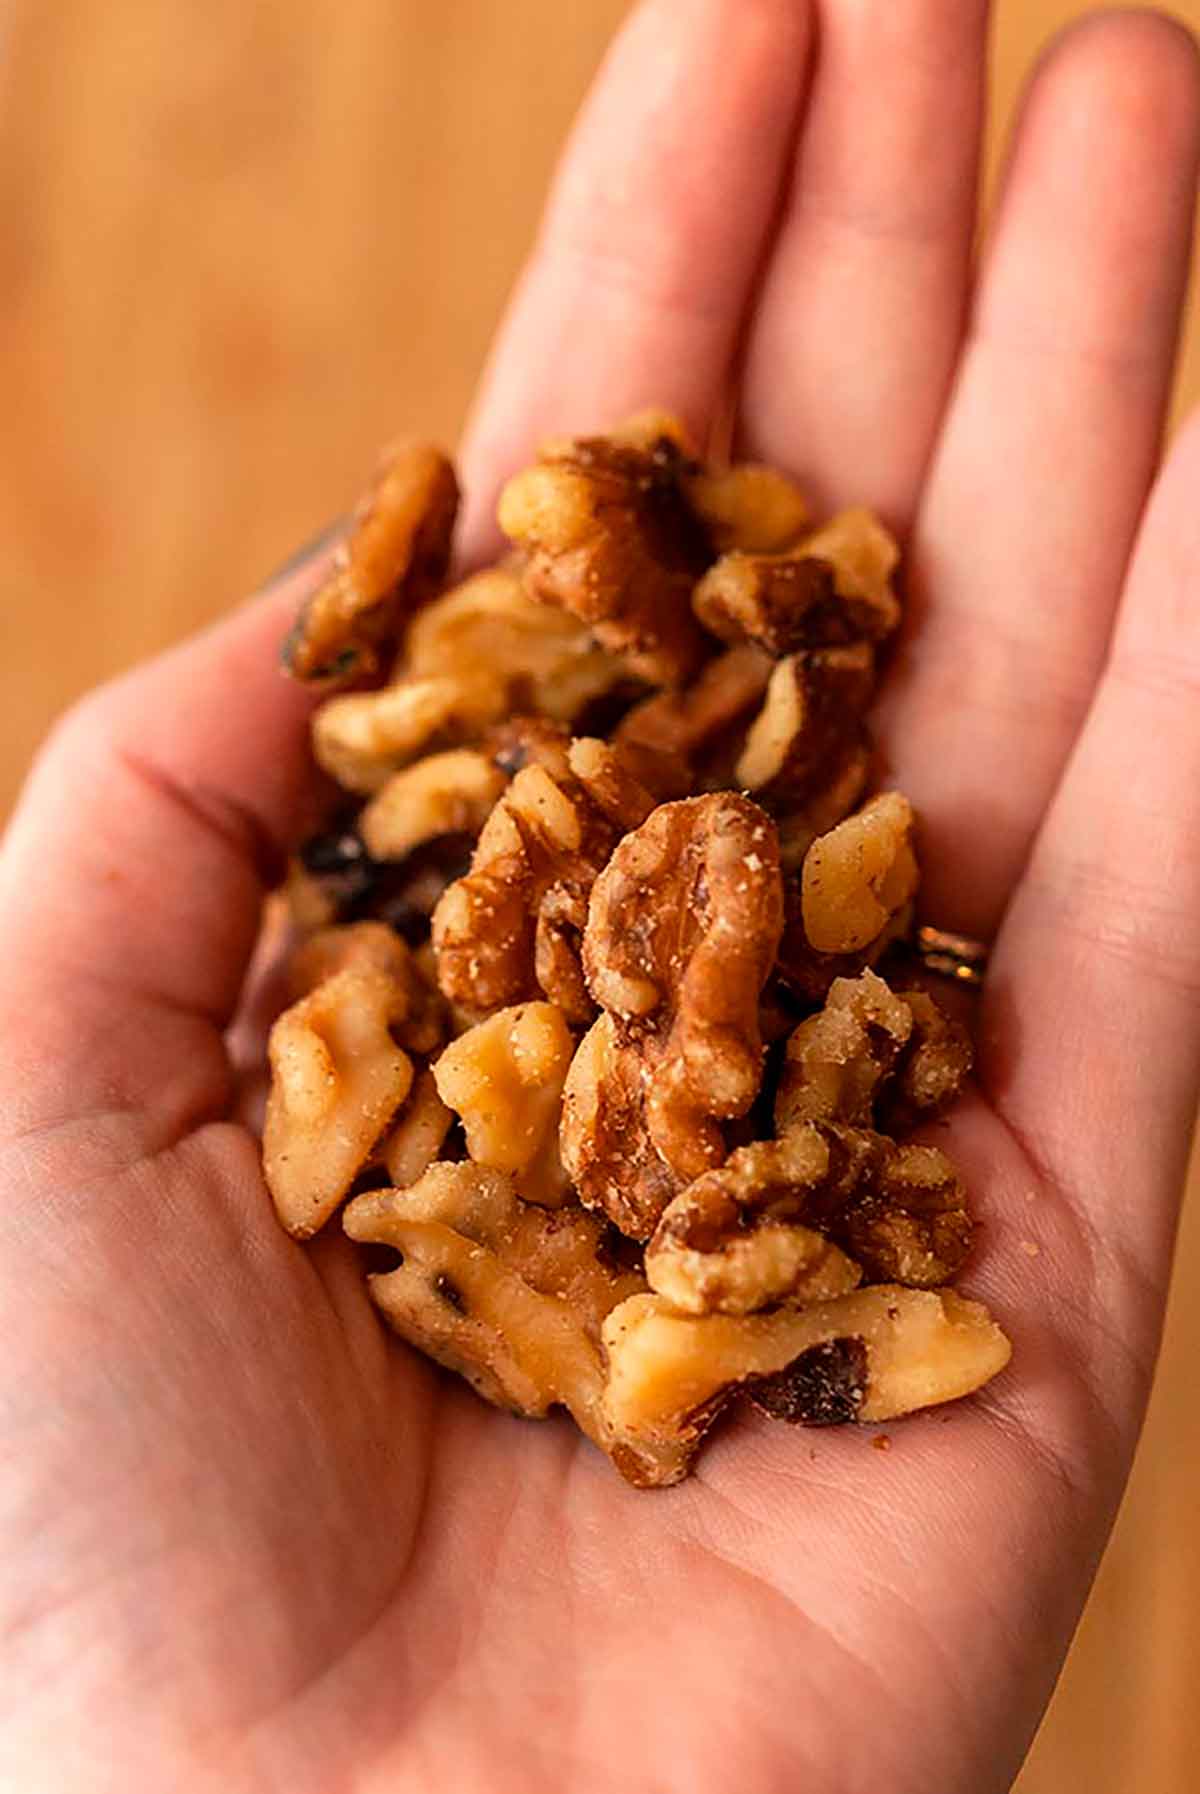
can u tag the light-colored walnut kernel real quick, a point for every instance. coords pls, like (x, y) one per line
(418, 1014)
(362, 738)
(682, 930)
(396, 551)
(547, 833)
(446, 794)
(838, 1059)
(871, 1355)
(609, 536)
(747, 506)
(510, 1296)
(418, 1133)
(504, 1078)
(858, 878)
(337, 1079)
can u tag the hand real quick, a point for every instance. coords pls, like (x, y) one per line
(251, 1542)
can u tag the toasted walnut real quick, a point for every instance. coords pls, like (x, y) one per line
(859, 878)
(932, 1069)
(864, 556)
(837, 1060)
(809, 727)
(504, 1078)
(868, 1356)
(730, 1241)
(682, 929)
(418, 1134)
(686, 727)
(418, 1013)
(390, 562)
(610, 537)
(532, 656)
(909, 1222)
(510, 1296)
(337, 1079)
(821, 596)
(445, 794)
(545, 834)
(747, 506)
(361, 739)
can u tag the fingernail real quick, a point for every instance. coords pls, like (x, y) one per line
(311, 551)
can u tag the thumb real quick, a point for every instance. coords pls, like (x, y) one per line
(132, 874)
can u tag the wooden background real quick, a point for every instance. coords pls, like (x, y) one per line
(240, 244)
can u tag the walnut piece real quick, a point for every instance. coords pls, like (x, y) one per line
(810, 729)
(418, 1018)
(871, 1355)
(609, 536)
(682, 930)
(685, 727)
(396, 551)
(337, 1079)
(510, 1296)
(831, 590)
(860, 877)
(418, 1133)
(837, 1060)
(504, 1078)
(547, 834)
(445, 794)
(731, 1242)
(933, 1068)
(747, 506)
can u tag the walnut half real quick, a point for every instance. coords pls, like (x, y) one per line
(682, 930)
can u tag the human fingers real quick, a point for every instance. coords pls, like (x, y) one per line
(855, 335)
(652, 236)
(1048, 451)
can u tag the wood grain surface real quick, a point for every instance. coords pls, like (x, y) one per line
(239, 246)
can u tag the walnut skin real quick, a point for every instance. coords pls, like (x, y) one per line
(609, 536)
(682, 930)
(396, 551)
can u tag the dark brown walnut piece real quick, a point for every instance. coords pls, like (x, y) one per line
(547, 837)
(682, 931)
(391, 560)
(832, 589)
(691, 728)
(932, 1070)
(608, 534)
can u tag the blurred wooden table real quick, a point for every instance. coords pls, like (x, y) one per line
(240, 245)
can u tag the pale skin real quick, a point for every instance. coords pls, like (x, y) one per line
(250, 1542)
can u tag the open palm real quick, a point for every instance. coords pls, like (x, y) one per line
(250, 1541)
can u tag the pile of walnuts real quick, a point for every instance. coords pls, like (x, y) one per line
(586, 1021)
